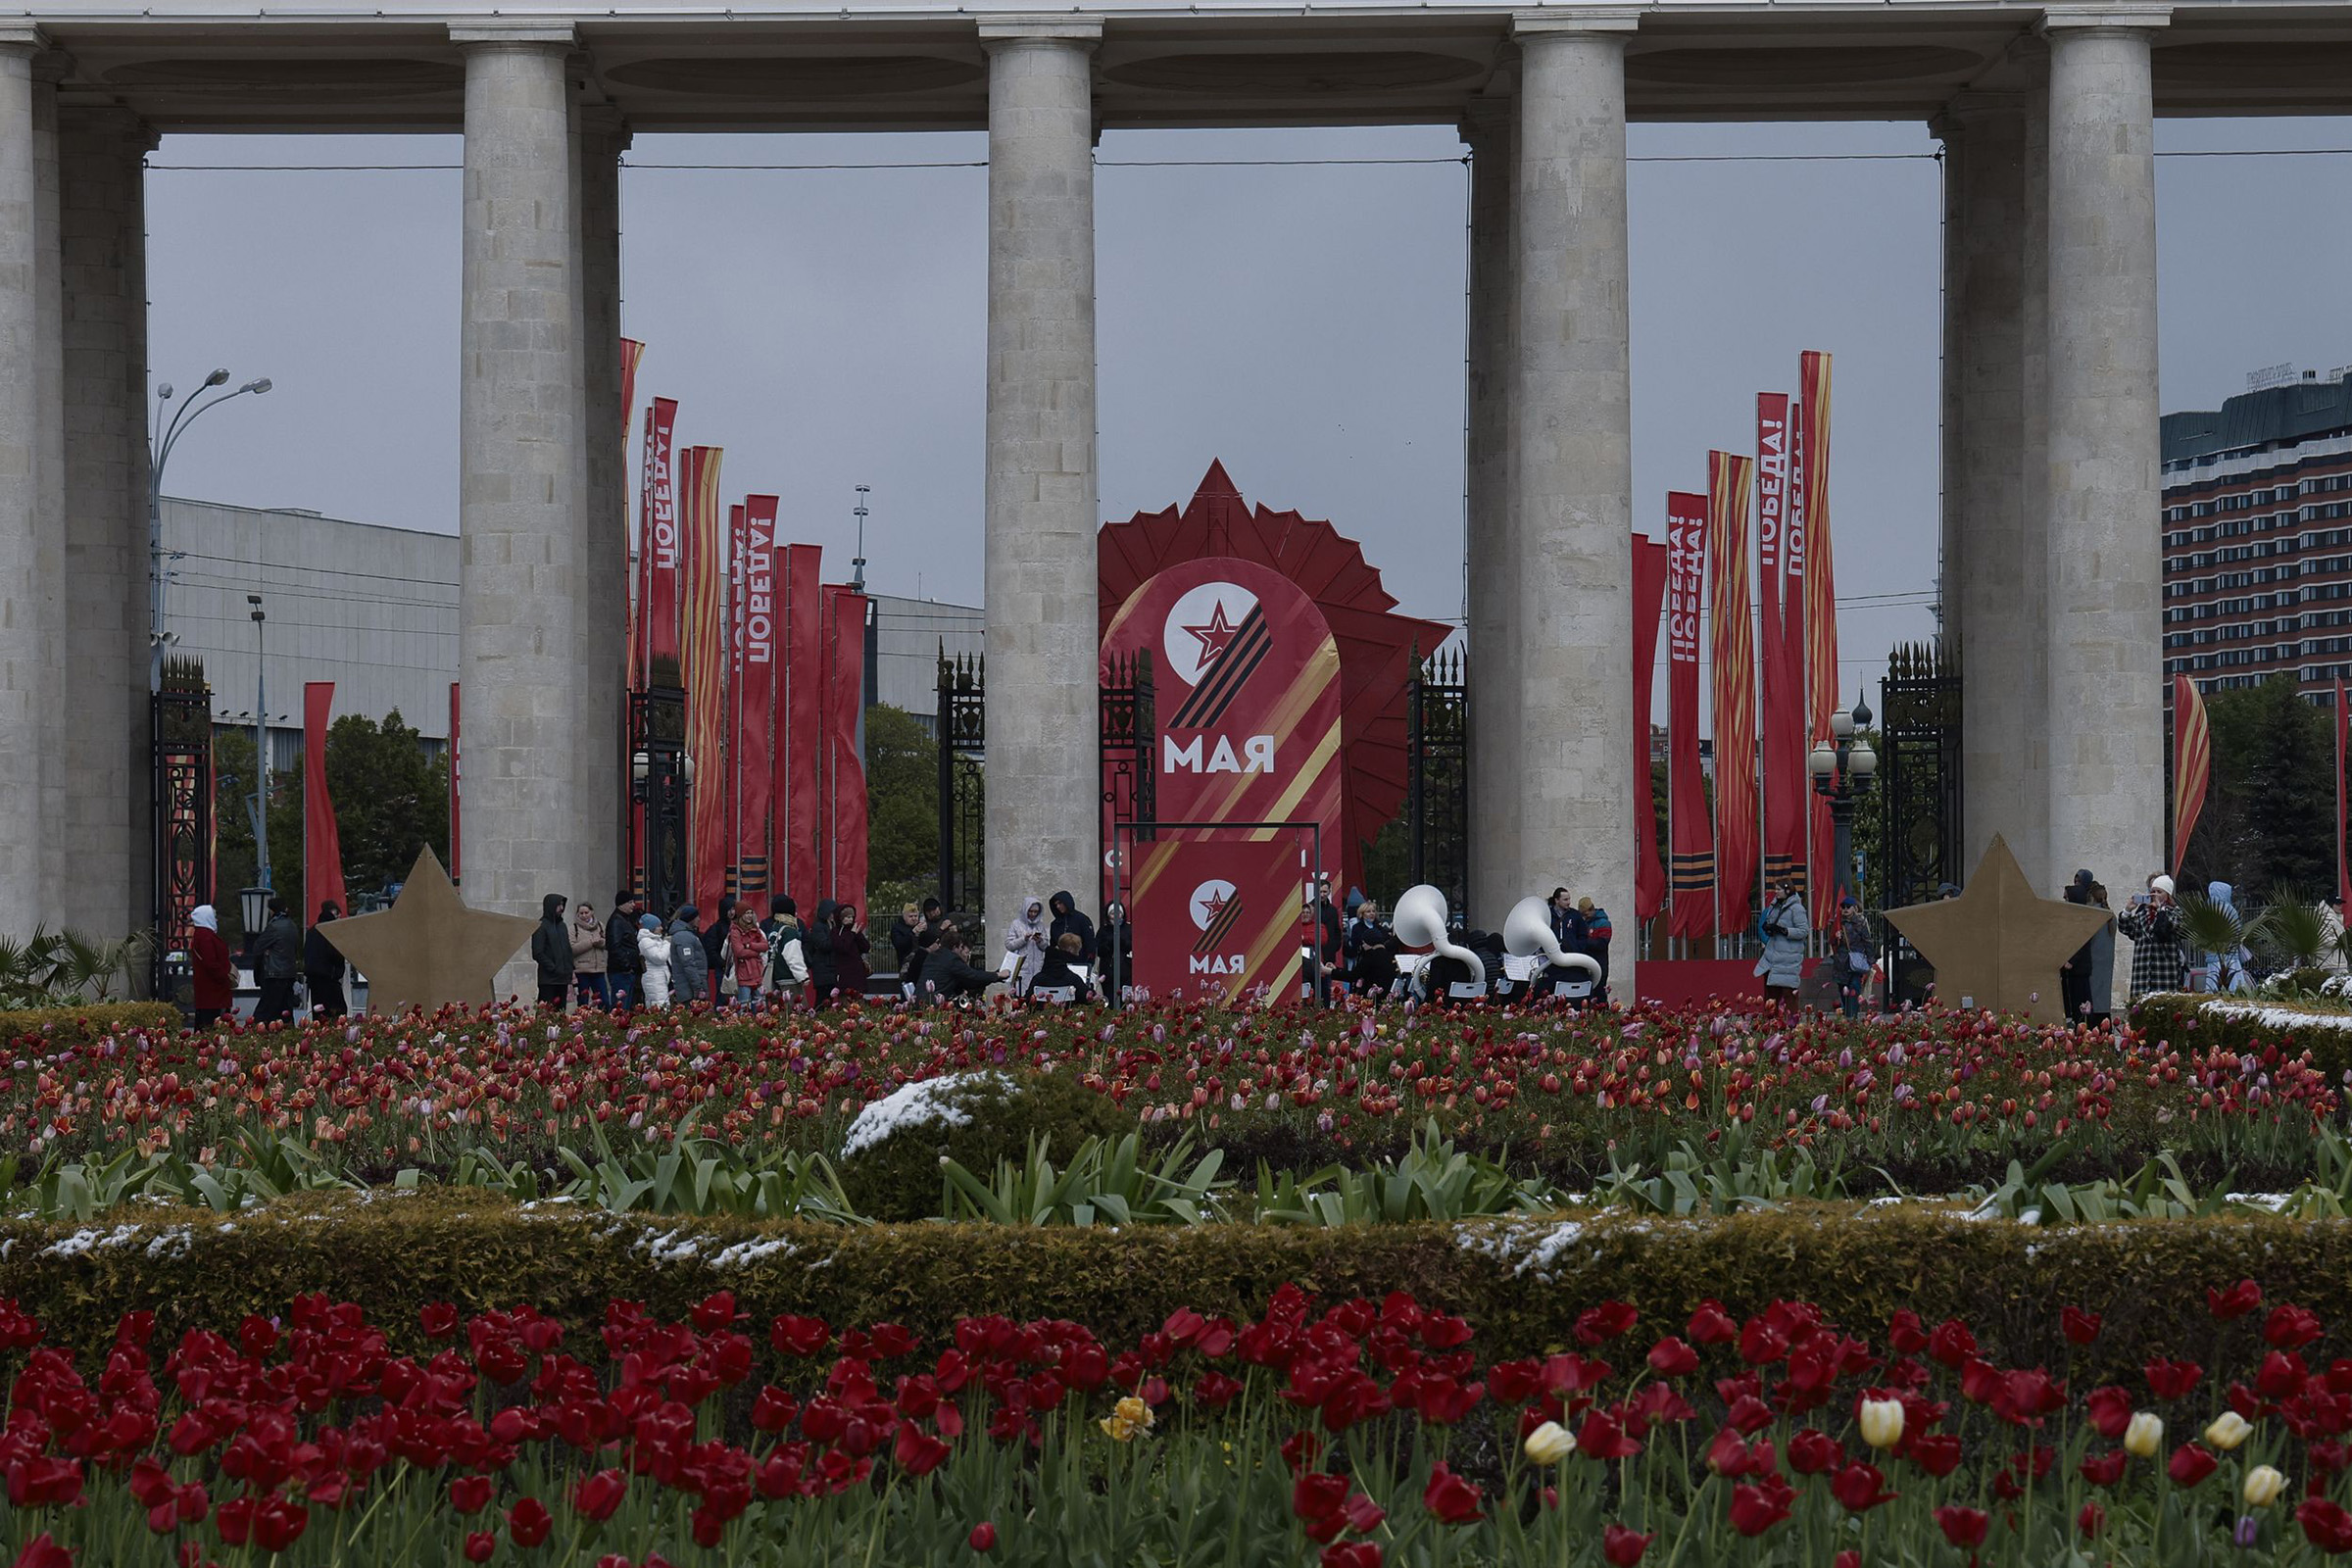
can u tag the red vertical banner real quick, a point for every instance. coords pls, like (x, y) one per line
(456, 840)
(322, 840)
(799, 726)
(1650, 566)
(1779, 682)
(738, 546)
(755, 626)
(844, 789)
(703, 632)
(2193, 764)
(658, 545)
(2343, 868)
(631, 351)
(1733, 654)
(1692, 880)
(1820, 609)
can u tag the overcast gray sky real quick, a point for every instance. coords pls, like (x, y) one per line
(1304, 323)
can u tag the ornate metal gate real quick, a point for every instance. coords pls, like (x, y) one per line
(1129, 734)
(1437, 801)
(180, 807)
(1919, 776)
(661, 786)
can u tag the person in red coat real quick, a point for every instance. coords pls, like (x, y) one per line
(215, 976)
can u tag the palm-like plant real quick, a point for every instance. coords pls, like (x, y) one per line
(51, 968)
(2296, 932)
(2211, 928)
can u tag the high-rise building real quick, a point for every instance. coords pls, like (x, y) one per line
(2257, 521)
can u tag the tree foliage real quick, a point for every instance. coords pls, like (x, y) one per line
(902, 800)
(2268, 826)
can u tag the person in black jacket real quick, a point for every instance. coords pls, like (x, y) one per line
(551, 951)
(902, 935)
(1331, 942)
(817, 948)
(1115, 942)
(323, 967)
(1063, 970)
(1069, 921)
(624, 964)
(948, 972)
(277, 960)
(715, 936)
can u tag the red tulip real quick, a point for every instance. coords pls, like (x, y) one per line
(2234, 1302)
(2110, 1411)
(528, 1522)
(983, 1537)
(2090, 1519)
(798, 1336)
(1449, 1497)
(479, 1545)
(1936, 1452)
(1756, 1506)
(1962, 1526)
(42, 1552)
(2290, 1327)
(1598, 1324)
(2190, 1464)
(1623, 1547)
(1860, 1487)
(1317, 1495)
(1351, 1555)
(1711, 1325)
(1603, 1436)
(2172, 1380)
(2078, 1326)
(598, 1495)
(1363, 1515)
(1951, 1342)
(1669, 1357)
(1810, 1453)
(2326, 1525)
(469, 1493)
(916, 1451)
(2104, 1470)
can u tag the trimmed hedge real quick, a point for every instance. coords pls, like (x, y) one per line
(2183, 1020)
(93, 1021)
(1521, 1282)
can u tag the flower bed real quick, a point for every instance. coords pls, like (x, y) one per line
(1931, 1099)
(1350, 1433)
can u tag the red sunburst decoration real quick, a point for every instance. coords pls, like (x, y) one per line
(1376, 644)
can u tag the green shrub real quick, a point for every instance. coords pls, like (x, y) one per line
(975, 1119)
(1521, 1282)
(80, 1026)
(2186, 1023)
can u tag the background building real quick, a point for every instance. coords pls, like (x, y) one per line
(375, 610)
(2257, 521)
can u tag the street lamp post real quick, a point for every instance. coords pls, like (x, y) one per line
(858, 561)
(1843, 775)
(261, 747)
(165, 437)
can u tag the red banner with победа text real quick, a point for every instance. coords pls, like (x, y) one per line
(1650, 568)
(1691, 877)
(1780, 678)
(752, 764)
(1735, 691)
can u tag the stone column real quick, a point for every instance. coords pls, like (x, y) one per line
(521, 423)
(48, 585)
(108, 836)
(1044, 688)
(21, 830)
(2104, 555)
(1994, 556)
(1571, 467)
(1496, 782)
(604, 516)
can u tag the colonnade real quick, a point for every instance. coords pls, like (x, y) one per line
(2051, 537)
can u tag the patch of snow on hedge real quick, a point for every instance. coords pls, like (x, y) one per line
(2277, 1018)
(924, 1102)
(1526, 1249)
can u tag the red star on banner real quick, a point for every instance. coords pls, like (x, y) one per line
(1214, 904)
(1212, 637)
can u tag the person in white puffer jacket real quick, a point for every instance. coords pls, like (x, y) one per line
(654, 948)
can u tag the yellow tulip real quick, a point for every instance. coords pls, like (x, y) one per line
(2229, 1430)
(2263, 1485)
(1117, 1428)
(1882, 1422)
(1135, 1413)
(1550, 1443)
(2144, 1436)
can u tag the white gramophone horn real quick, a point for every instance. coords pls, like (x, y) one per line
(1419, 921)
(1527, 932)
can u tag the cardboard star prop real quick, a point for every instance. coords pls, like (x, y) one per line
(429, 948)
(2000, 943)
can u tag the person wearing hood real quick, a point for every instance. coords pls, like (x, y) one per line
(1070, 920)
(2153, 923)
(2073, 975)
(1024, 947)
(624, 961)
(653, 960)
(213, 990)
(715, 943)
(747, 954)
(1116, 946)
(551, 951)
(2222, 971)
(324, 966)
(817, 948)
(1785, 929)
(689, 959)
(277, 961)
(849, 948)
(588, 955)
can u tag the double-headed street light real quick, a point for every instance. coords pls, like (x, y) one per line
(166, 435)
(1842, 768)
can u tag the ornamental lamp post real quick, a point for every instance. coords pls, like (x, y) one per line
(1841, 775)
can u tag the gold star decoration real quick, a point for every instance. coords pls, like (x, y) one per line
(429, 948)
(1998, 945)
